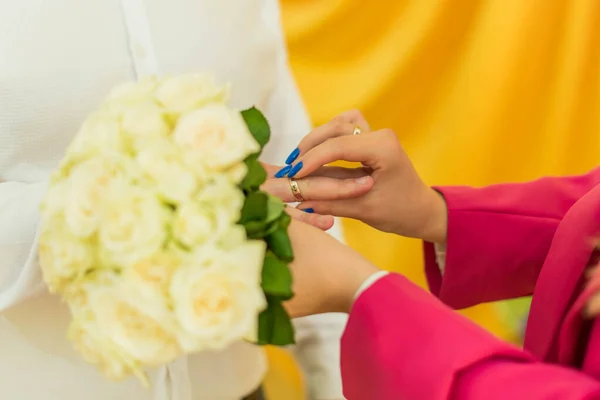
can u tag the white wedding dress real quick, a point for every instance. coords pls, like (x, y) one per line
(58, 59)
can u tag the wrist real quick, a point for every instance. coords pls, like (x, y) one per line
(358, 272)
(435, 227)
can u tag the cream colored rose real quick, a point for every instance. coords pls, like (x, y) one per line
(237, 173)
(215, 136)
(53, 203)
(186, 92)
(63, 257)
(132, 226)
(163, 164)
(85, 187)
(144, 123)
(99, 133)
(137, 319)
(194, 225)
(222, 192)
(155, 270)
(232, 238)
(218, 299)
(134, 92)
(99, 350)
(198, 223)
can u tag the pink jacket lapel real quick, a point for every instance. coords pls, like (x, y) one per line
(560, 280)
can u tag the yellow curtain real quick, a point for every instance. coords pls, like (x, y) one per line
(478, 92)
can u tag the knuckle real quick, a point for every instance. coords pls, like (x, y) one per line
(389, 138)
(388, 134)
(355, 115)
(339, 125)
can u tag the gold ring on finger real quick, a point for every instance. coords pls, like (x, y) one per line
(356, 131)
(296, 190)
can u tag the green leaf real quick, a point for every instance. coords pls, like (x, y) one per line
(279, 240)
(256, 229)
(255, 207)
(276, 277)
(274, 325)
(258, 125)
(279, 243)
(256, 174)
(271, 227)
(275, 208)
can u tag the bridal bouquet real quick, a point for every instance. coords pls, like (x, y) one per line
(155, 232)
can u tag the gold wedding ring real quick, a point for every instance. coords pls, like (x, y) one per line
(296, 190)
(356, 131)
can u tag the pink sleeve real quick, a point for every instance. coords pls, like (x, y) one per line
(498, 237)
(403, 343)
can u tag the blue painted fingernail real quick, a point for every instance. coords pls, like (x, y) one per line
(293, 155)
(295, 169)
(309, 210)
(283, 171)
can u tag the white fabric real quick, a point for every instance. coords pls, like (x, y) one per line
(440, 259)
(369, 282)
(440, 256)
(58, 60)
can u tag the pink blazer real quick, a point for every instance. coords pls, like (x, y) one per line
(504, 241)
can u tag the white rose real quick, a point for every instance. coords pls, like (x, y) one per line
(99, 133)
(162, 162)
(215, 136)
(218, 299)
(86, 186)
(133, 92)
(144, 123)
(155, 270)
(137, 319)
(194, 225)
(63, 257)
(232, 238)
(237, 173)
(53, 203)
(186, 92)
(132, 226)
(222, 192)
(99, 350)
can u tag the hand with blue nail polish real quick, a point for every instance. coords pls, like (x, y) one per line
(395, 199)
(293, 156)
(329, 183)
(283, 171)
(295, 169)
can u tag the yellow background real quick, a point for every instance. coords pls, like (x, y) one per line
(478, 92)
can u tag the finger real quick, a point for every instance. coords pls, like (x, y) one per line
(355, 117)
(344, 124)
(271, 169)
(345, 208)
(592, 308)
(319, 188)
(365, 149)
(343, 172)
(274, 171)
(323, 222)
(320, 134)
(590, 272)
